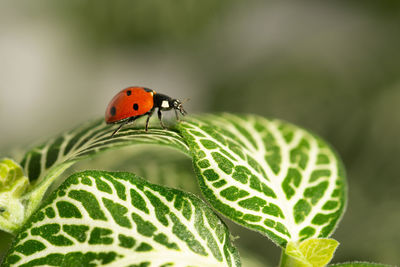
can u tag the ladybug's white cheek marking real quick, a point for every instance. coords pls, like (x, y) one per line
(165, 104)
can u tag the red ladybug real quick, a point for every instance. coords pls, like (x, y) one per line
(134, 102)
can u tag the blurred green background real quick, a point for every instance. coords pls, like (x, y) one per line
(332, 67)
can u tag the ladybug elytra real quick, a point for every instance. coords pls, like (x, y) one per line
(134, 102)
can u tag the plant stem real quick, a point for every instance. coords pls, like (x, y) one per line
(287, 261)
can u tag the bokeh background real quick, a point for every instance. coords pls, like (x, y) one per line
(330, 66)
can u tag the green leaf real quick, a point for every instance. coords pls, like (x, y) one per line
(360, 264)
(89, 139)
(268, 175)
(45, 163)
(13, 184)
(119, 219)
(314, 252)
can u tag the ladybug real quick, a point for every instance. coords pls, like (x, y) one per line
(134, 102)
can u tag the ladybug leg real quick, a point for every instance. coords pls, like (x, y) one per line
(119, 128)
(148, 119)
(132, 119)
(160, 118)
(176, 114)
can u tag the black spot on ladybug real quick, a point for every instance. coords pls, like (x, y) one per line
(135, 106)
(113, 110)
(128, 93)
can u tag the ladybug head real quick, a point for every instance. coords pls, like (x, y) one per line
(177, 104)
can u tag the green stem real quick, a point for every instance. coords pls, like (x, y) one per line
(287, 261)
(284, 259)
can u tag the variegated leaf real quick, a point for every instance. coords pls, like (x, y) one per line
(268, 175)
(89, 139)
(43, 164)
(118, 219)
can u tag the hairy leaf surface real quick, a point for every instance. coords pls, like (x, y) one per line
(268, 175)
(118, 219)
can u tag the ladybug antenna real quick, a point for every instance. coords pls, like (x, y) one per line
(185, 100)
